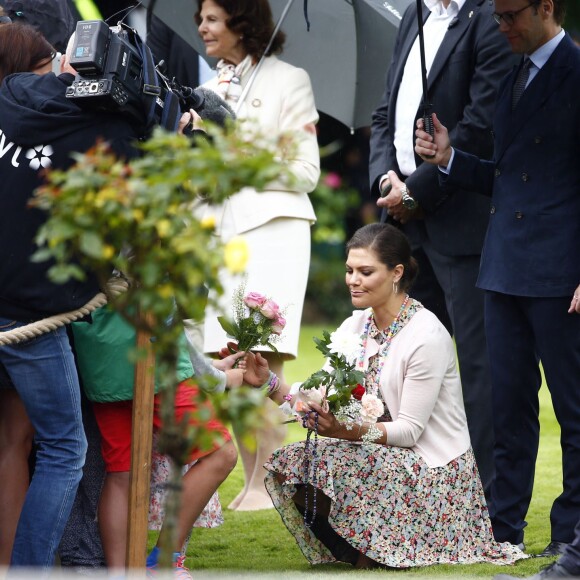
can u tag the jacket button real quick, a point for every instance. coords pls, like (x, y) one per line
(525, 177)
(492, 210)
(519, 215)
(537, 140)
(497, 172)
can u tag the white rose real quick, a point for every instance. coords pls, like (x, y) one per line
(372, 407)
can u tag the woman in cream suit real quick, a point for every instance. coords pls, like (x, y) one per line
(275, 223)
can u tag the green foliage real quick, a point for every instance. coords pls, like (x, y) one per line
(138, 217)
(326, 293)
(338, 382)
(331, 203)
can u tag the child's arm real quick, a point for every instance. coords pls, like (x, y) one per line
(222, 372)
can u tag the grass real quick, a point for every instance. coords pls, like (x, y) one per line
(257, 543)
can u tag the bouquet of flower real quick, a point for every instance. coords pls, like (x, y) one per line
(340, 389)
(258, 321)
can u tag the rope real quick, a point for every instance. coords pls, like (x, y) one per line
(115, 286)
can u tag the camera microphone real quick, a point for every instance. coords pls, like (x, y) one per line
(208, 105)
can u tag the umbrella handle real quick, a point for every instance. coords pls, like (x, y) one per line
(428, 126)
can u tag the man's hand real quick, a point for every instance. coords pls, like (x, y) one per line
(575, 303)
(393, 200)
(436, 151)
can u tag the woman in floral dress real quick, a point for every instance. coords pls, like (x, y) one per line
(413, 497)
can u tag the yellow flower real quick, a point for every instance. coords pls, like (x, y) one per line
(208, 222)
(236, 254)
(163, 228)
(165, 291)
(108, 252)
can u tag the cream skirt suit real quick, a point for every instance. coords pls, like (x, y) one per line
(275, 223)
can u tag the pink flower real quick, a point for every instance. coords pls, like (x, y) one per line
(278, 325)
(372, 407)
(254, 300)
(270, 309)
(333, 180)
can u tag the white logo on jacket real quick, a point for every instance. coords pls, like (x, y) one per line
(39, 155)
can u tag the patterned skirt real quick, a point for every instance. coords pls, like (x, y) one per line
(388, 504)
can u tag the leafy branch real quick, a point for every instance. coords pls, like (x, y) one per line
(339, 381)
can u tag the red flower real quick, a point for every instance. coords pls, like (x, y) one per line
(358, 392)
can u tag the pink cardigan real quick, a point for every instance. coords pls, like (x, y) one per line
(421, 388)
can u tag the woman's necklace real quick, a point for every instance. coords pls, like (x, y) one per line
(400, 320)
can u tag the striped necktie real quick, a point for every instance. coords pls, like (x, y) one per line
(521, 80)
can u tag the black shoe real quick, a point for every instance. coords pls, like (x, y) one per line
(554, 570)
(552, 549)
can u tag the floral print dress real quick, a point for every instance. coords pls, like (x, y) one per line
(386, 502)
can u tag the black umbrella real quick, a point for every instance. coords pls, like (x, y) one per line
(346, 51)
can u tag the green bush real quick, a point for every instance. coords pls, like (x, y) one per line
(327, 299)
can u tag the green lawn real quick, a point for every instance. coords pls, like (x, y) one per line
(252, 543)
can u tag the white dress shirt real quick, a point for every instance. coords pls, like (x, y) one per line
(411, 88)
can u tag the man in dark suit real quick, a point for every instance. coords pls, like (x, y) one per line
(530, 269)
(466, 58)
(567, 566)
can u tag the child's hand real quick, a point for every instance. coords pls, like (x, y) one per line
(227, 362)
(234, 378)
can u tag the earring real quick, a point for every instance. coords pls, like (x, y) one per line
(395, 288)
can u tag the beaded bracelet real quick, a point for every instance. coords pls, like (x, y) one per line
(272, 384)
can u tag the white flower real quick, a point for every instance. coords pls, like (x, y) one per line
(372, 407)
(347, 344)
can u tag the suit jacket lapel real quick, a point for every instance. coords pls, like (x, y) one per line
(536, 94)
(452, 37)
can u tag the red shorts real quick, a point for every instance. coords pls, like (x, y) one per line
(114, 420)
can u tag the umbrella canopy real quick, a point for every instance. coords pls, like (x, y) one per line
(346, 51)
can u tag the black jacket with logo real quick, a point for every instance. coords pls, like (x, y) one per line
(40, 128)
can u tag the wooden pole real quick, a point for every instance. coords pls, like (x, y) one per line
(141, 443)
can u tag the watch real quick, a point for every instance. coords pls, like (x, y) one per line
(408, 201)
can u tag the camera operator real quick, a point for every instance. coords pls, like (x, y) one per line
(39, 129)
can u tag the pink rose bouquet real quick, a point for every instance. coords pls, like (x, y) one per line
(257, 321)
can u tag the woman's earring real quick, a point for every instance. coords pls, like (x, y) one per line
(395, 288)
